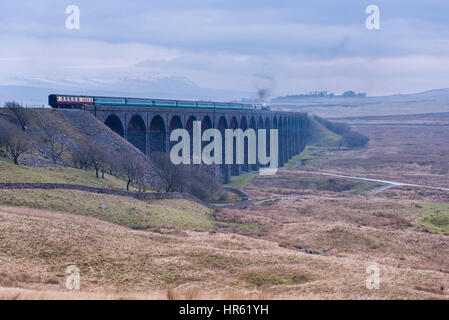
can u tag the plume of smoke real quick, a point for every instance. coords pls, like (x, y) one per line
(263, 94)
(265, 85)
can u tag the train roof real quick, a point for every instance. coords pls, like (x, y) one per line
(158, 99)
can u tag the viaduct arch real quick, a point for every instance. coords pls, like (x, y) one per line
(149, 129)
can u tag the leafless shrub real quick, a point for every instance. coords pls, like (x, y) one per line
(15, 141)
(354, 139)
(169, 175)
(349, 138)
(133, 167)
(54, 142)
(79, 155)
(96, 157)
(203, 184)
(183, 178)
(18, 112)
(89, 155)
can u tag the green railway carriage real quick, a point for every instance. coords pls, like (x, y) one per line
(108, 101)
(139, 102)
(165, 103)
(187, 104)
(206, 105)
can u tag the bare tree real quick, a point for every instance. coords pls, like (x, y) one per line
(87, 154)
(107, 164)
(169, 176)
(96, 157)
(54, 141)
(203, 184)
(79, 157)
(18, 112)
(15, 141)
(132, 166)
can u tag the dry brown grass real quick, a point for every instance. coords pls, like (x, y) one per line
(36, 294)
(346, 231)
(415, 155)
(118, 263)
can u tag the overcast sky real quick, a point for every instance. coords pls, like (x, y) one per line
(290, 46)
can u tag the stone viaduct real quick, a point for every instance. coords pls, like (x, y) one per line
(149, 128)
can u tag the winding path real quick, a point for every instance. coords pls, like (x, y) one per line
(387, 184)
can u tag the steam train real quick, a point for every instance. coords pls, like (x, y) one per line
(76, 102)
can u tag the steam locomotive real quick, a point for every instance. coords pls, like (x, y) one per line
(76, 102)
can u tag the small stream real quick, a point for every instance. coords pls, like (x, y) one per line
(280, 198)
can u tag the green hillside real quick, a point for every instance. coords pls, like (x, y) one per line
(12, 173)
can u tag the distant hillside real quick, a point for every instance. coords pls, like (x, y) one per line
(435, 93)
(433, 101)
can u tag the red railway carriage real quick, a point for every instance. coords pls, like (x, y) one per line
(68, 100)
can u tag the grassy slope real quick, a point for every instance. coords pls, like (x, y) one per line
(316, 152)
(125, 211)
(12, 173)
(434, 218)
(303, 182)
(242, 180)
(37, 246)
(75, 125)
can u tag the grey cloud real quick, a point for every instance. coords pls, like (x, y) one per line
(304, 45)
